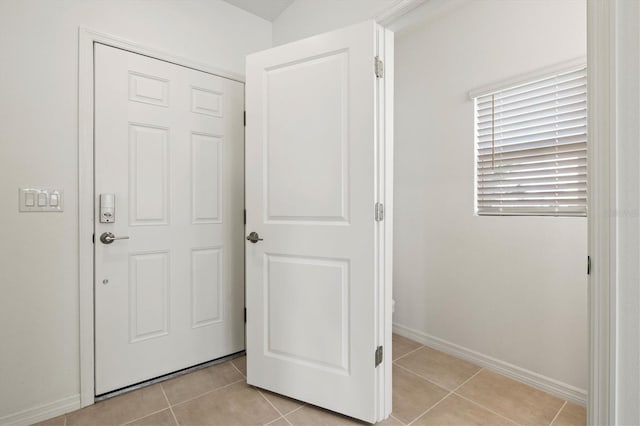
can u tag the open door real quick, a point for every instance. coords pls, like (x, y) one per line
(318, 259)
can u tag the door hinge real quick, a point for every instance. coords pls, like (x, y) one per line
(245, 315)
(245, 119)
(245, 216)
(588, 265)
(379, 67)
(379, 355)
(93, 238)
(379, 212)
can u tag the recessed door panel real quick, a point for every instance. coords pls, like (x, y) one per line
(315, 329)
(309, 141)
(148, 175)
(206, 286)
(208, 102)
(148, 295)
(148, 89)
(206, 186)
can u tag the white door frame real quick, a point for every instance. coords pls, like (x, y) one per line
(614, 306)
(601, 196)
(87, 39)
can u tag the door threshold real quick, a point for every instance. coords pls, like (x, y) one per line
(166, 377)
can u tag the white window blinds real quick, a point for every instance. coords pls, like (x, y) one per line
(531, 148)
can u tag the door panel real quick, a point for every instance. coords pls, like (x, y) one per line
(319, 167)
(169, 145)
(313, 291)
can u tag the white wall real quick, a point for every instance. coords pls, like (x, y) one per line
(38, 147)
(305, 18)
(511, 288)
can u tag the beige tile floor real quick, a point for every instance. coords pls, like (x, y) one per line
(429, 388)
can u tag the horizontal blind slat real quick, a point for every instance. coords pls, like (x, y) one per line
(526, 135)
(562, 76)
(531, 189)
(530, 211)
(560, 90)
(519, 145)
(545, 117)
(559, 122)
(576, 80)
(544, 197)
(532, 181)
(569, 148)
(545, 110)
(530, 160)
(548, 101)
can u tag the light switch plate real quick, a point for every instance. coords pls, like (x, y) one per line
(40, 200)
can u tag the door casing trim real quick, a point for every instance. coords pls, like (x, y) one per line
(86, 40)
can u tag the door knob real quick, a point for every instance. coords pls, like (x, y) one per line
(108, 238)
(254, 237)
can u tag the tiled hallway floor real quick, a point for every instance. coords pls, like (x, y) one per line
(429, 388)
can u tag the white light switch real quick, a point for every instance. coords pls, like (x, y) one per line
(29, 199)
(40, 200)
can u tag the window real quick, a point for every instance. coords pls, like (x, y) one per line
(531, 147)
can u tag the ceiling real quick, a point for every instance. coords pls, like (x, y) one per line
(267, 9)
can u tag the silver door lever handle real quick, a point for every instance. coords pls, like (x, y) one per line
(254, 237)
(108, 238)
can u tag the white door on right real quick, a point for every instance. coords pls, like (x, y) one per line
(316, 298)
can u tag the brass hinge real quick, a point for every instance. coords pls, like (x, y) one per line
(379, 212)
(379, 355)
(379, 67)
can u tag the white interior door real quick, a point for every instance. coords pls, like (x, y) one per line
(316, 300)
(169, 146)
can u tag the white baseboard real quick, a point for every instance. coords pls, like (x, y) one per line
(42, 412)
(538, 381)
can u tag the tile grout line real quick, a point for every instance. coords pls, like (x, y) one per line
(145, 416)
(429, 380)
(175, 419)
(274, 407)
(444, 397)
(486, 408)
(241, 373)
(558, 413)
(293, 411)
(208, 392)
(275, 420)
(396, 419)
(408, 353)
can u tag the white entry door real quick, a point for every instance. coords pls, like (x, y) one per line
(318, 297)
(169, 147)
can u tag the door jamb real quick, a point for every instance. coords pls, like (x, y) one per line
(603, 290)
(86, 40)
(602, 198)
